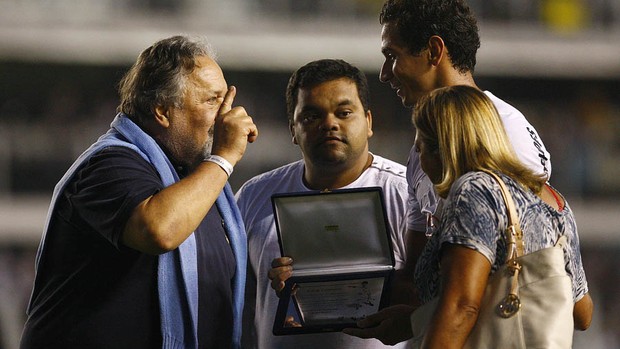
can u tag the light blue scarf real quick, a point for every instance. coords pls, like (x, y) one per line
(178, 269)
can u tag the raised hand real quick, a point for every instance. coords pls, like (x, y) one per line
(234, 128)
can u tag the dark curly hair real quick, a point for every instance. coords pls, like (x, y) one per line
(320, 71)
(452, 20)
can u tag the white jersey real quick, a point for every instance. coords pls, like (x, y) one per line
(525, 141)
(261, 302)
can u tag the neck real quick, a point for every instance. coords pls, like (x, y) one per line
(334, 176)
(449, 76)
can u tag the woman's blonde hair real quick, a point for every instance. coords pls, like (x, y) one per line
(462, 124)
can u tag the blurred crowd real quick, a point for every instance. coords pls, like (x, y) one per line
(49, 112)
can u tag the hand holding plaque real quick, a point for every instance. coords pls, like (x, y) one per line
(342, 254)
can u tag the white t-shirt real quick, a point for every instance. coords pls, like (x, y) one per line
(261, 302)
(525, 141)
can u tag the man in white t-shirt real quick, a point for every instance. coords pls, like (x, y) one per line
(330, 120)
(429, 44)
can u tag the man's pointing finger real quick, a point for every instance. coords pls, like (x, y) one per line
(228, 100)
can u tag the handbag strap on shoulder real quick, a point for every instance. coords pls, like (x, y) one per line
(514, 234)
(511, 304)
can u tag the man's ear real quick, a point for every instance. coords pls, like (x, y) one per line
(369, 119)
(161, 116)
(436, 49)
(291, 128)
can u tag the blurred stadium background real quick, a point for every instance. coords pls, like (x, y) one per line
(558, 61)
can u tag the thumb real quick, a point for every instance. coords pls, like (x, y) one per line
(228, 101)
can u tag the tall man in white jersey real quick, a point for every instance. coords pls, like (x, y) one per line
(429, 44)
(330, 120)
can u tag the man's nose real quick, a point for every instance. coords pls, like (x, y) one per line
(329, 122)
(385, 74)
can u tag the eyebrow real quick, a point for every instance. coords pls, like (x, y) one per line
(344, 102)
(218, 91)
(307, 108)
(385, 49)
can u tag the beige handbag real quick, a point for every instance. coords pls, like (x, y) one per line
(528, 302)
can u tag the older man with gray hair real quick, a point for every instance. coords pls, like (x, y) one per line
(143, 245)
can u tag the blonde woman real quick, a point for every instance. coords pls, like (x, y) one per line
(459, 134)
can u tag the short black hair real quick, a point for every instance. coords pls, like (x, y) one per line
(452, 20)
(320, 71)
